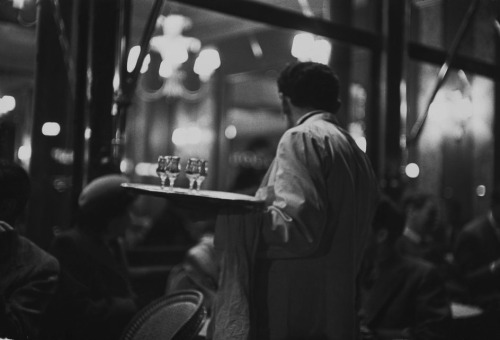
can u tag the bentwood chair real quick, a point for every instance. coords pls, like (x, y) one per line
(178, 316)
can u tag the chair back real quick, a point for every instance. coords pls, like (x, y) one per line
(178, 316)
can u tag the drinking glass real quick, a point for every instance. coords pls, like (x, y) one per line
(173, 169)
(161, 170)
(203, 173)
(192, 171)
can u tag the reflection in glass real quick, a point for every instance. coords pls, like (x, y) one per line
(203, 172)
(173, 169)
(192, 171)
(161, 170)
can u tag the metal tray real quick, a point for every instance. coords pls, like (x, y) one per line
(196, 199)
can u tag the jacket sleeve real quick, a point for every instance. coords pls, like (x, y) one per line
(298, 197)
(79, 284)
(22, 309)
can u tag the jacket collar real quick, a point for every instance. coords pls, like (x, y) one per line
(317, 115)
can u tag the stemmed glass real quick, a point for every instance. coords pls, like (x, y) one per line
(202, 173)
(192, 171)
(161, 170)
(172, 169)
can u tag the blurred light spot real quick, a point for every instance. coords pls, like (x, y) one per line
(116, 81)
(145, 63)
(24, 153)
(255, 46)
(51, 129)
(145, 169)
(206, 63)
(133, 56)
(230, 132)
(7, 104)
(62, 156)
(88, 133)
(321, 51)
(126, 166)
(306, 47)
(481, 190)
(18, 4)
(302, 44)
(191, 136)
(412, 170)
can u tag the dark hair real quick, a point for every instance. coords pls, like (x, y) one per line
(15, 189)
(310, 84)
(389, 217)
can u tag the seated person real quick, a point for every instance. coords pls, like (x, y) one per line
(96, 287)
(402, 297)
(424, 235)
(28, 275)
(198, 271)
(477, 254)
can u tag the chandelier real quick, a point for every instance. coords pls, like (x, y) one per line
(176, 51)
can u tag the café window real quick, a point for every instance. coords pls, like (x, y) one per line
(230, 112)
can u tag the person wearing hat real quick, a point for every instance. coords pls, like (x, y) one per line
(95, 284)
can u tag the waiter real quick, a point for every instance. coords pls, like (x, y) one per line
(320, 194)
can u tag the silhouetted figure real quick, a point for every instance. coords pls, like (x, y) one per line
(427, 235)
(424, 235)
(477, 253)
(96, 300)
(28, 275)
(403, 297)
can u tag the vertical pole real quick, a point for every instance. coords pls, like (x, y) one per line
(128, 82)
(496, 119)
(376, 103)
(79, 51)
(50, 175)
(104, 19)
(73, 87)
(394, 68)
(341, 12)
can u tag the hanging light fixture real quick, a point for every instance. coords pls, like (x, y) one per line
(175, 50)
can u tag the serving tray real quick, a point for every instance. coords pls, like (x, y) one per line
(195, 199)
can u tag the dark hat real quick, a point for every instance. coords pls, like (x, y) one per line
(105, 197)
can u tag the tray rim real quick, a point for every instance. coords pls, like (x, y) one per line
(208, 196)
